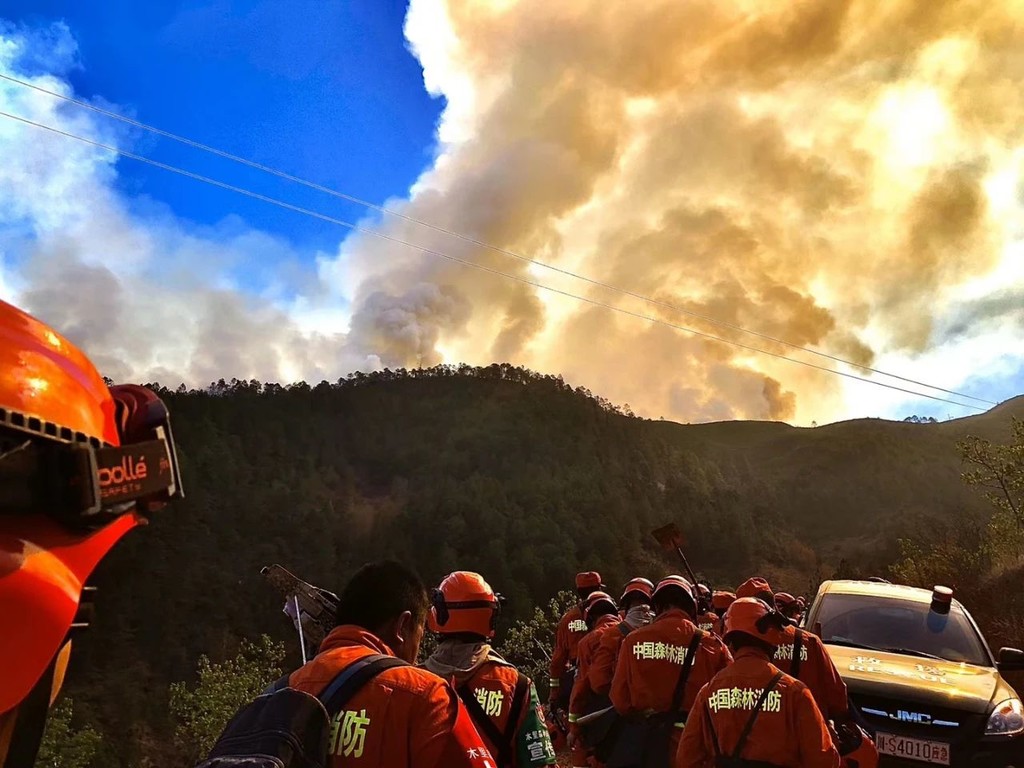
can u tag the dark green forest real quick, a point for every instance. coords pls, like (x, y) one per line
(497, 469)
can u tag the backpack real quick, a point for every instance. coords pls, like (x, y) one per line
(287, 728)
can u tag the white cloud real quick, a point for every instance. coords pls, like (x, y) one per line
(147, 295)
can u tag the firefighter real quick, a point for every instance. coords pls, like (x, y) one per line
(707, 619)
(571, 629)
(601, 615)
(406, 716)
(720, 602)
(81, 464)
(659, 671)
(636, 603)
(789, 606)
(802, 655)
(753, 714)
(500, 699)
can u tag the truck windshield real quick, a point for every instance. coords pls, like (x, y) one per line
(900, 626)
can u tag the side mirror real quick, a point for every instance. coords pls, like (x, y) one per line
(1011, 660)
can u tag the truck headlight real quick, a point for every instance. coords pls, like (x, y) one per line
(1006, 719)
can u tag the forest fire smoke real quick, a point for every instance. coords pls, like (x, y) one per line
(819, 172)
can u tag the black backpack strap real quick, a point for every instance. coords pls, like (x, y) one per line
(353, 677)
(798, 647)
(486, 726)
(624, 628)
(711, 727)
(753, 715)
(518, 697)
(684, 674)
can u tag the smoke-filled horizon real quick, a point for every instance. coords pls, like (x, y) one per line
(841, 175)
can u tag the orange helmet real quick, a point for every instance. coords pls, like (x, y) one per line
(756, 618)
(855, 746)
(78, 462)
(756, 587)
(595, 601)
(638, 586)
(784, 599)
(464, 603)
(588, 580)
(721, 601)
(675, 583)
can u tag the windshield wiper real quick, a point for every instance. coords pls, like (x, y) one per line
(904, 651)
(912, 652)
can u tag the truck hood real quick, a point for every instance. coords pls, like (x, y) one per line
(913, 679)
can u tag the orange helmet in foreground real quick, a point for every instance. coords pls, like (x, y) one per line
(78, 463)
(464, 603)
(756, 618)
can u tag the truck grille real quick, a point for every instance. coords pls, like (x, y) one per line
(921, 721)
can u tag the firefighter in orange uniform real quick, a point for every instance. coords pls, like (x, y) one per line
(660, 669)
(571, 629)
(635, 604)
(405, 717)
(601, 615)
(720, 602)
(802, 655)
(707, 619)
(500, 699)
(81, 465)
(753, 713)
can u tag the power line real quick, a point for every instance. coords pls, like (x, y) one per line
(474, 241)
(465, 262)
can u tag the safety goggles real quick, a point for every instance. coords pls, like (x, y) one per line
(83, 484)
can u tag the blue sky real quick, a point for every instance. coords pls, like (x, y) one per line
(321, 89)
(795, 211)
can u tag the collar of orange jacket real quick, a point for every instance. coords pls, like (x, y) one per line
(673, 613)
(604, 621)
(750, 653)
(349, 635)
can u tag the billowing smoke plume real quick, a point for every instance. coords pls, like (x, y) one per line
(818, 171)
(840, 174)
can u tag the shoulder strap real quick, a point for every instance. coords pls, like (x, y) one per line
(753, 715)
(485, 725)
(353, 677)
(798, 647)
(624, 628)
(515, 711)
(684, 674)
(711, 727)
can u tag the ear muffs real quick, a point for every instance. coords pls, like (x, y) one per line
(771, 620)
(440, 607)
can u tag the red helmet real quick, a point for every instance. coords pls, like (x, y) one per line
(598, 600)
(756, 587)
(756, 618)
(638, 586)
(703, 591)
(784, 599)
(464, 603)
(588, 580)
(855, 746)
(721, 601)
(114, 452)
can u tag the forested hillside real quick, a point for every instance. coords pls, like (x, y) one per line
(499, 470)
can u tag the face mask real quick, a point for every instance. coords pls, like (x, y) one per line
(639, 615)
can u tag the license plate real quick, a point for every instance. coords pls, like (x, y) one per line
(913, 749)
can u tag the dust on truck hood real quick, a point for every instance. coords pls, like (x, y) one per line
(906, 678)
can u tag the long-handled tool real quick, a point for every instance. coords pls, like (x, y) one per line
(671, 538)
(310, 608)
